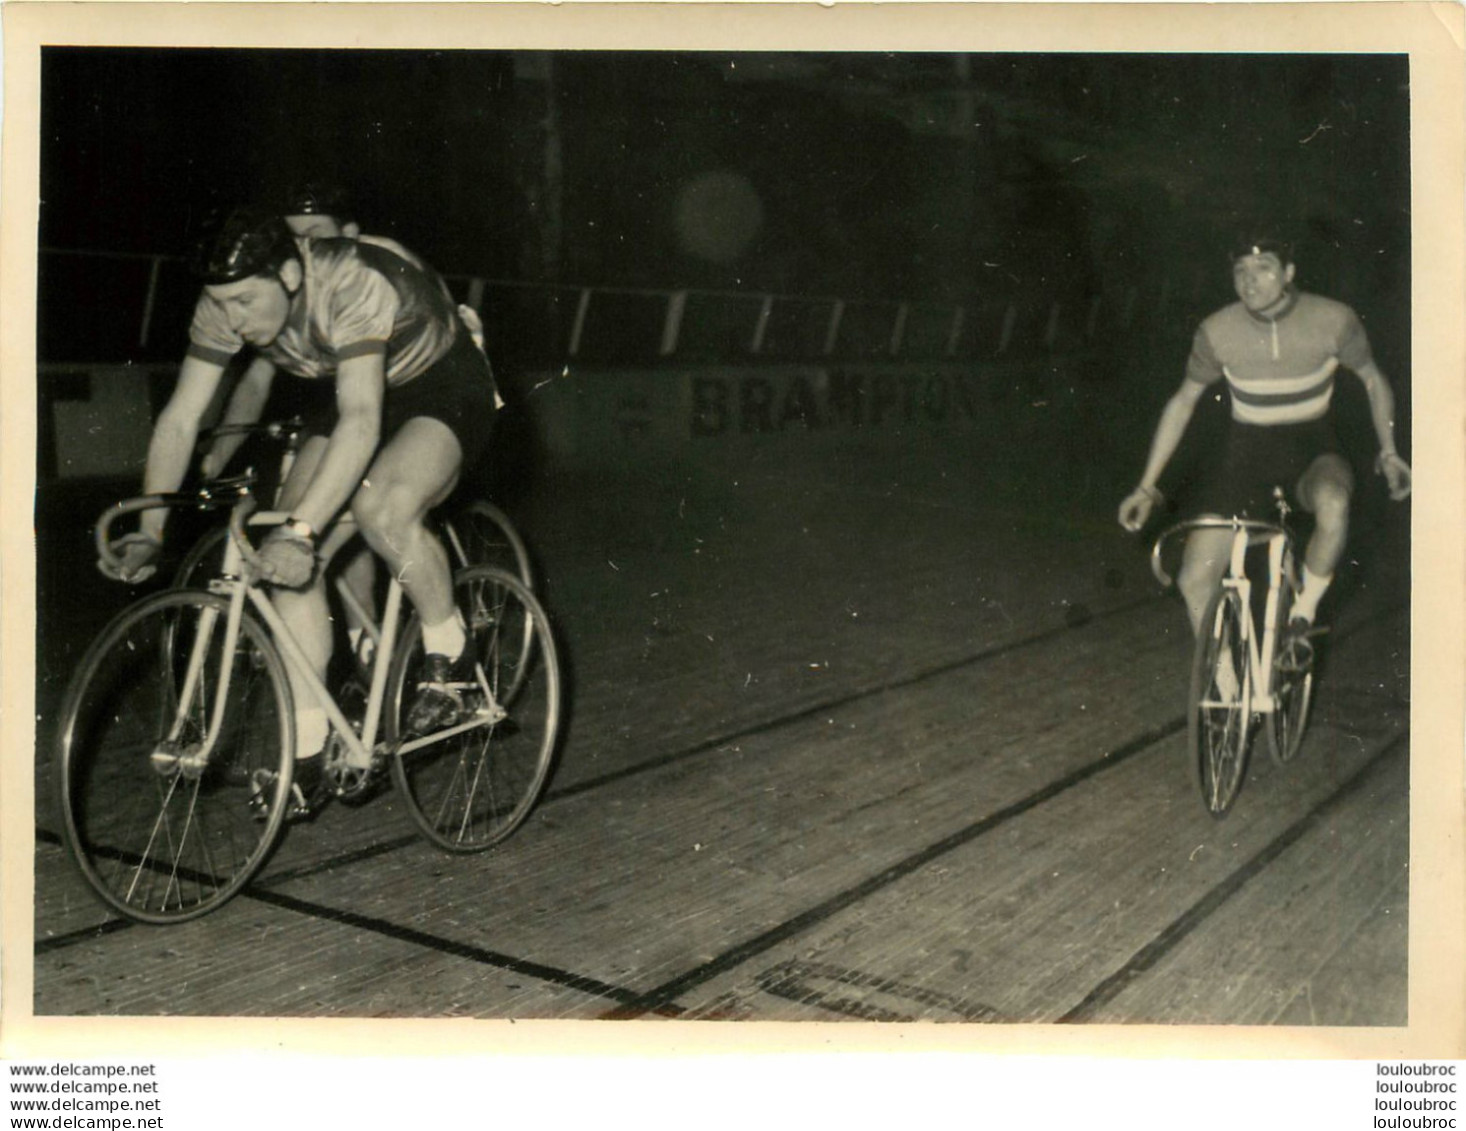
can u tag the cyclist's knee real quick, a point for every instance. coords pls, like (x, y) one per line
(387, 513)
(1330, 503)
(1197, 585)
(1202, 567)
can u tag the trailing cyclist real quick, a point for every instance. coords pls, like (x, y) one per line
(414, 400)
(1278, 349)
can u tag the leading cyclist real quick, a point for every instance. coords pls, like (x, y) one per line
(414, 403)
(321, 210)
(1278, 349)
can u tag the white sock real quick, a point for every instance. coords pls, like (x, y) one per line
(312, 728)
(1312, 591)
(446, 638)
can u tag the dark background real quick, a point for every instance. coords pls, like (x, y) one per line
(988, 180)
(877, 174)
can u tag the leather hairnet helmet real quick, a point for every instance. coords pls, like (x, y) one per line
(247, 241)
(316, 198)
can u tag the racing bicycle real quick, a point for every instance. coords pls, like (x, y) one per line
(1247, 666)
(176, 742)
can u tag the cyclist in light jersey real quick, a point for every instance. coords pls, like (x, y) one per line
(321, 210)
(414, 399)
(318, 210)
(1278, 349)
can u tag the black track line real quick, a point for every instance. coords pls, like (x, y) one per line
(636, 1005)
(440, 945)
(346, 859)
(84, 934)
(385, 928)
(1155, 950)
(663, 996)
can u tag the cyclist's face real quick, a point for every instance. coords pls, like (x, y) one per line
(1261, 280)
(317, 226)
(256, 308)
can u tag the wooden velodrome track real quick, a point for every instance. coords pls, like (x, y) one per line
(867, 741)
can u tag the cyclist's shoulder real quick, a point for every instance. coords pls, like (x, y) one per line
(1323, 308)
(327, 255)
(386, 243)
(1220, 320)
(340, 270)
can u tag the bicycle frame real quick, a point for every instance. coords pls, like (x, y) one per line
(233, 584)
(1247, 533)
(1261, 696)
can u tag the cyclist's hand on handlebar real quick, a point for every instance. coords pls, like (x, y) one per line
(137, 558)
(1396, 472)
(1135, 510)
(287, 559)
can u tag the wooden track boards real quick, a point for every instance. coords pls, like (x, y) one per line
(888, 751)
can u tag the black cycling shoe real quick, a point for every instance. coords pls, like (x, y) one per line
(310, 792)
(440, 686)
(1295, 645)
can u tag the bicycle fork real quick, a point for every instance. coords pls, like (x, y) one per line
(169, 757)
(1259, 655)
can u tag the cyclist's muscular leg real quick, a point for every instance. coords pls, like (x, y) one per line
(1325, 490)
(415, 470)
(1203, 563)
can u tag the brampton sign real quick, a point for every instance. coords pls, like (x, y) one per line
(811, 400)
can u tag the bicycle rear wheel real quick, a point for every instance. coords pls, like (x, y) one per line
(486, 537)
(159, 833)
(1218, 718)
(469, 791)
(1293, 688)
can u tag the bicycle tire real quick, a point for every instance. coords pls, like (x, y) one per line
(1218, 728)
(469, 792)
(489, 538)
(161, 841)
(1293, 691)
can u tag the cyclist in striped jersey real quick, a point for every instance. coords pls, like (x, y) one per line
(322, 210)
(1278, 349)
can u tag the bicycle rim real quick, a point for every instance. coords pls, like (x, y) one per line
(160, 835)
(1289, 719)
(488, 538)
(1218, 721)
(470, 791)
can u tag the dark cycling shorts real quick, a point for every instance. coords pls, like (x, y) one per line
(1258, 458)
(457, 389)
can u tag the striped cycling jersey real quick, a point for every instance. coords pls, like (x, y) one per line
(1280, 369)
(357, 299)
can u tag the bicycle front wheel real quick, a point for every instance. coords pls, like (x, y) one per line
(162, 831)
(1219, 720)
(469, 791)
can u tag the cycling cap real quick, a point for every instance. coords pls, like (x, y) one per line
(247, 241)
(316, 198)
(1259, 243)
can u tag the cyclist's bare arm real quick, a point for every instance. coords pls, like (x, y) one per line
(246, 406)
(1382, 411)
(1172, 426)
(360, 386)
(170, 451)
